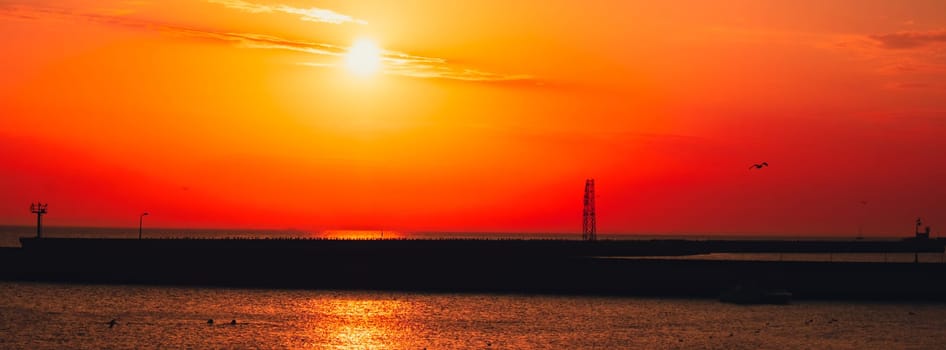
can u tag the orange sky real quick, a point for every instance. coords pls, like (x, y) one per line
(485, 116)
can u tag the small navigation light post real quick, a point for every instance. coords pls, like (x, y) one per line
(39, 209)
(589, 230)
(140, 221)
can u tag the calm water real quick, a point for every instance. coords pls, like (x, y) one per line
(55, 316)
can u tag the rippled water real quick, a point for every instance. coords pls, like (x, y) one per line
(57, 316)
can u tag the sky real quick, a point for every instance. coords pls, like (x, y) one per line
(476, 116)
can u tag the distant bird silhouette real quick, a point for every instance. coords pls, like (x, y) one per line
(210, 321)
(759, 165)
(112, 323)
(233, 322)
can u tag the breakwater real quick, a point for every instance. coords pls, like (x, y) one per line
(518, 266)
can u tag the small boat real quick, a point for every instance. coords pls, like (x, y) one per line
(754, 295)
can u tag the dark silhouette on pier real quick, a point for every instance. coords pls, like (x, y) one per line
(759, 165)
(588, 266)
(112, 323)
(141, 222)
(589, 230)
(39, 209)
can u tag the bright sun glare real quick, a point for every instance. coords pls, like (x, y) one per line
(363, 58)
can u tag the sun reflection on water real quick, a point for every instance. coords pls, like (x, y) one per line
(52, 316)
(357, 323)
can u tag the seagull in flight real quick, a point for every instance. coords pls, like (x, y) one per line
(759, 165)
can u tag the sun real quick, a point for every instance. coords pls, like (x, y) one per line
(363, 58)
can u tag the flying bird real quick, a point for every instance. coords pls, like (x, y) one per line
(759, 165)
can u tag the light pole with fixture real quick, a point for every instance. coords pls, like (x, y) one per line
(140, 221)
(39, 209)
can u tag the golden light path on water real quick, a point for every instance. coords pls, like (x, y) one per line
(365, 322)
(62, 316)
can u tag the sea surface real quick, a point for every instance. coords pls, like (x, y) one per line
(61, 316)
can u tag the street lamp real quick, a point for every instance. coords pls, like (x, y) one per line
(140, 220)
(39, 209)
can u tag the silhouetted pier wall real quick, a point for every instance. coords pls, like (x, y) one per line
(527, 266)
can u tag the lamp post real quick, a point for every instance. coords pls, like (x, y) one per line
(39, 209)
(140, 221)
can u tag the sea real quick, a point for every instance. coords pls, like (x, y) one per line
(79, 316)
(62, 316)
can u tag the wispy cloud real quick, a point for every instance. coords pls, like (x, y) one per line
(312, 14)
(262, 41)
(910, 39)
(395, 63)
(322, 55)
(418, 67)
(916, 85)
